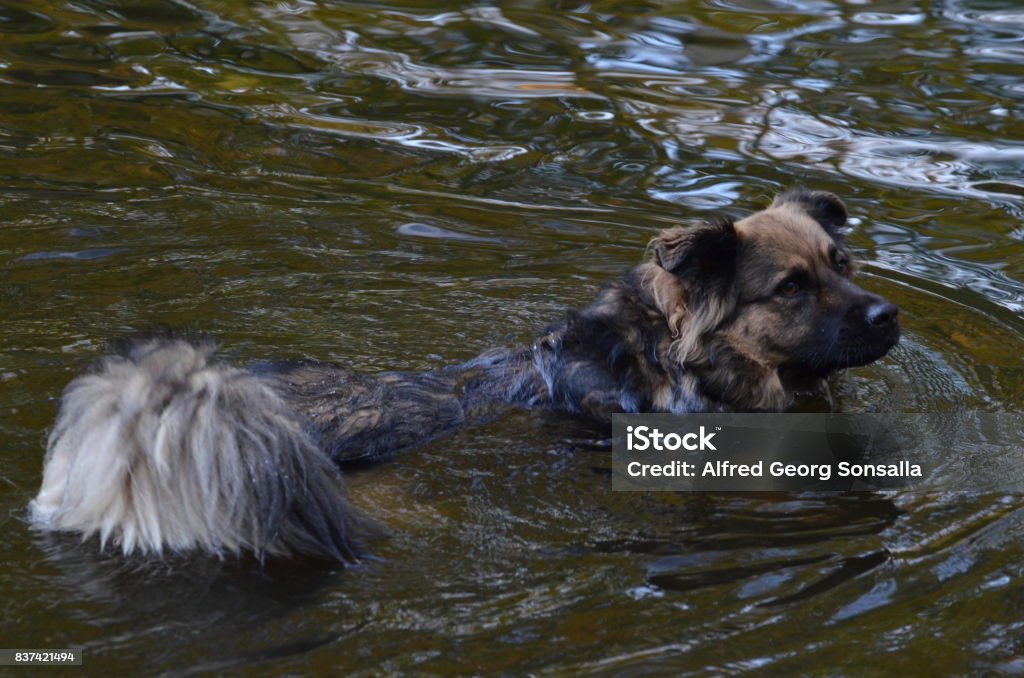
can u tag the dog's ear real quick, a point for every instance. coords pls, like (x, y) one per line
(822, 206)
(703, 256)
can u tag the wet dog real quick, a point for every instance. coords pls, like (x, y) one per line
(163, 448)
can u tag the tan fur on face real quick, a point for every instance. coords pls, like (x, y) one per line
(786, 235)
(775, 243)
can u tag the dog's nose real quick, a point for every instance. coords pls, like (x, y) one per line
(881, 313)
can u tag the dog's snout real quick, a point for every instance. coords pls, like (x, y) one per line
(880, 313)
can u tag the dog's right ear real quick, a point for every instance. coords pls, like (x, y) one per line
(822, 206)
(702, 256)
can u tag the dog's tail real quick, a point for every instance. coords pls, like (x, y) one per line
(161, 448)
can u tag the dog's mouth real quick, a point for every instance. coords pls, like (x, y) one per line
(868, 352)
(845, 351)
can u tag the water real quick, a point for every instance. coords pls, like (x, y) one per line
(396, 185)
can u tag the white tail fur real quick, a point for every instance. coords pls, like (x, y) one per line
(162, 448)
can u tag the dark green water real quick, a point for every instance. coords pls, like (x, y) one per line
(399, 184)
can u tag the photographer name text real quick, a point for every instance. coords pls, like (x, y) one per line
(650, 439)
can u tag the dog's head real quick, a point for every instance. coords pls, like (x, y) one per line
(773, 289)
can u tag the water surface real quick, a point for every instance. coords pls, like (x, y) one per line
(397, 185)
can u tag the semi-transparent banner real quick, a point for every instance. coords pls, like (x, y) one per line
(963, 451)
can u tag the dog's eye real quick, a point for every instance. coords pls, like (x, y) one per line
(788, 288)
(842, 266)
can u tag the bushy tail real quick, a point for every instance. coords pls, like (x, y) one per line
(162, 448)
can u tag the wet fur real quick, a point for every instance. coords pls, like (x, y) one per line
(163, 448)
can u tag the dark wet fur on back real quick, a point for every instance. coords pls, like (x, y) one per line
(356, 416)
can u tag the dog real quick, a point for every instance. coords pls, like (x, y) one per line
(163, 448)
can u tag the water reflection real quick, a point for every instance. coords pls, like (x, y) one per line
(394, 185)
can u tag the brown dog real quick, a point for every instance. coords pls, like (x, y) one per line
(162, 447)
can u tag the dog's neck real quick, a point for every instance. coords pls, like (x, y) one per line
(727, 380)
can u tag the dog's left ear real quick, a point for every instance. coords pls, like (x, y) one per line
(822, 206)
(702, 256)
